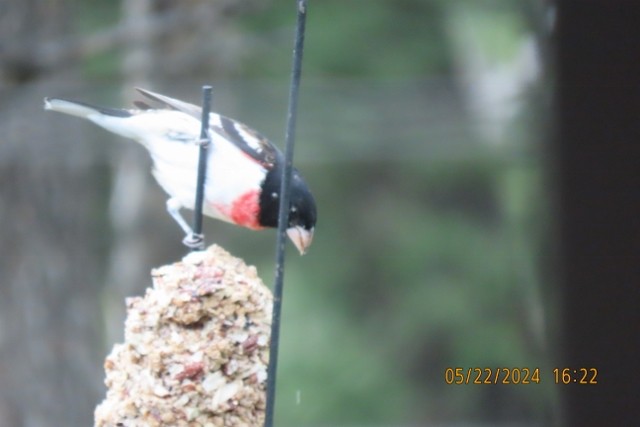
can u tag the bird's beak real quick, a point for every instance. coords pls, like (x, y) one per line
(301, 238)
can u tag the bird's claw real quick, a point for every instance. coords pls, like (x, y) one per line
(194, 241)
(202, 142)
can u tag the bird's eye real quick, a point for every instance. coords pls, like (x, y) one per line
(294, 209)
(274, 195)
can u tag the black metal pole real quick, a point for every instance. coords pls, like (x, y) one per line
(283, 214)
(202, 170)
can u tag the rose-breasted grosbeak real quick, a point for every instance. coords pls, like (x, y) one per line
(242, 184)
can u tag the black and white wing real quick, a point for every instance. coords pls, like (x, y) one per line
(252, 143)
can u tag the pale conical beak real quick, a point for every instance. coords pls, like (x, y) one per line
(301, 238)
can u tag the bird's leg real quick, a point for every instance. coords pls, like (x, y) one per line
(191, 240)
(173, 207)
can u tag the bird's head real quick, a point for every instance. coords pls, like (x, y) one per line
(302, 208)
(302, 214)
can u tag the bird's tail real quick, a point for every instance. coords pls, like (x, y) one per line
(82, 109)
(140, 125)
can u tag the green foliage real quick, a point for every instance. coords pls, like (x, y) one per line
(373, 38)
(93, 16)
(497, 27)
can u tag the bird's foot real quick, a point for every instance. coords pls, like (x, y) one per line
(194, 241)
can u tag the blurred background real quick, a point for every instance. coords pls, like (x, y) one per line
(422, 131)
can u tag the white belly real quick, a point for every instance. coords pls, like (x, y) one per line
(230, 173)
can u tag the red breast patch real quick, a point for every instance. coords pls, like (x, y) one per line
(244, 210)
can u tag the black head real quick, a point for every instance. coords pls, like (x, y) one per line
(302, 213)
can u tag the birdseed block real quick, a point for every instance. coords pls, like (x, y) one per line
(196, 348)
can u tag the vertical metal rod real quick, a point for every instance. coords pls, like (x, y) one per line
(283, 214)
(202, 167)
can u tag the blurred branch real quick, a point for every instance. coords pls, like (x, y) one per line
(58, 53)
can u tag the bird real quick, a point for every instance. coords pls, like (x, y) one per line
(244, 173)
